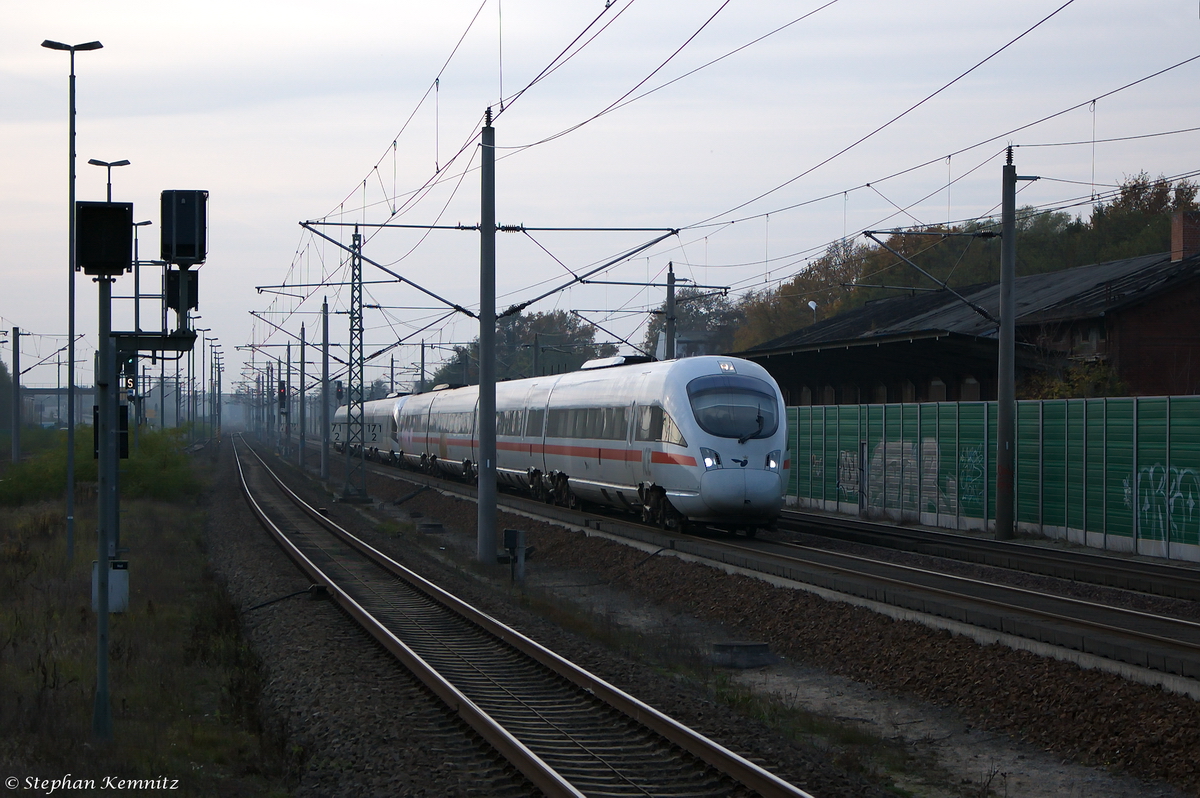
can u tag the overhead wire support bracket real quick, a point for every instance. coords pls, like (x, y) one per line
(514, 309)
(722, 289)
(308, 226)
(940, 234)
(871, 235)
(379, 225)
(889, 287)
(261, 288)
(288, 333)
(625, 341)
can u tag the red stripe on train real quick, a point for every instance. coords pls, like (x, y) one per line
(596, 452)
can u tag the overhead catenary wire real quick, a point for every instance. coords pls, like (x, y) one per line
(773, 259)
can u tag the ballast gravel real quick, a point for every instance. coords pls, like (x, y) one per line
(356, 723)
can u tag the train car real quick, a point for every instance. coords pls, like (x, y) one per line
(380, 424)
(701, 439)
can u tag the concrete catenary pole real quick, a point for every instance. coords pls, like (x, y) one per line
(486, 538)
(1006, 376)
(286, 410)
(303, 415)
(324, 389)
(16, 394)
(669, 333)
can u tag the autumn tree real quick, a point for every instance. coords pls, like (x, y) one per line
(1137, 221)
(564, 343)
(697, 311)
(773, 312)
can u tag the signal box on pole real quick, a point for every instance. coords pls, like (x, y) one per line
(104, 238)
(184, 227)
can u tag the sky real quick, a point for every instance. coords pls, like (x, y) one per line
(761, 131)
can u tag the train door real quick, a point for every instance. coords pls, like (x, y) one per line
(633, 461)
(534, 440)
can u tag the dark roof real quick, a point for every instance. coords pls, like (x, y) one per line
(1082, 292)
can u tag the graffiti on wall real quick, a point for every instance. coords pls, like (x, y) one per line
(1168, 502)
(847, 475)
(900, 478)
(971, 474)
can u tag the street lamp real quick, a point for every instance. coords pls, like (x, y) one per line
(109, 166)
(195, 409)
(813, 305)
(103, 732)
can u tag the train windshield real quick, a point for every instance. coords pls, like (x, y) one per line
(734, 406)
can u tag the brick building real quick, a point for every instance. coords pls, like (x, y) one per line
(1139, 315)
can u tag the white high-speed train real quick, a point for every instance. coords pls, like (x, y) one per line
(699, 439)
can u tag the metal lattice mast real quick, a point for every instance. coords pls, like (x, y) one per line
(355, 488)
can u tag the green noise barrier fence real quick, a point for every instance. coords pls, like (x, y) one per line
(1121, 474)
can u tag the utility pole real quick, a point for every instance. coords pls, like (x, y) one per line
(1006, 390)
(16, 395)
(537, 354)
(486, 540)
(303, 417)
(106, 399)
(324, 388)
(422, 383)
(392, 374)
(669, 350)
(286, 410)
(272, 405)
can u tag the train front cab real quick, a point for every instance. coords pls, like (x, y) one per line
(742, 440)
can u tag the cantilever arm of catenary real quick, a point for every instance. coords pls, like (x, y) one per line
(581, 278)
(871, 235)
(613, 334)
(307, 226)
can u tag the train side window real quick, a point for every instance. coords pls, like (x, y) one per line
(649, 421)
(533, 423)
(656, 424)
(670, 432)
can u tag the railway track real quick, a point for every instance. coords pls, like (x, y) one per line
(1161, 649)
(1161, 579)
(567, 731)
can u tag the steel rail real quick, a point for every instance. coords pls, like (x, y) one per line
(712, 753)
(1121, 630)
(1163, 579)
(524, 760)
(1125, 632)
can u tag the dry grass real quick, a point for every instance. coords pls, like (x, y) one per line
(183, 682)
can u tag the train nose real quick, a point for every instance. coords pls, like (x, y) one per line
(746, 491)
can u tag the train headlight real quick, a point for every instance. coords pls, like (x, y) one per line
(774, 459)
(711, 458)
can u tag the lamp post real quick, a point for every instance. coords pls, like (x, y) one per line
(71, 48)
(195, 409)
(813, 305)
(137, 278)
(109, 166)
